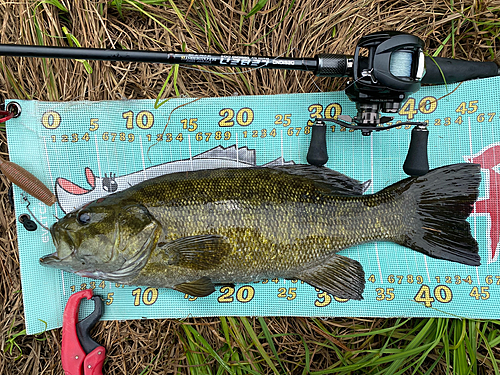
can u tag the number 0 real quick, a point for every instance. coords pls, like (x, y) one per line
(244, 117)
(144, 120)
(150, 296)
(51, 120)
(245, 294)
(427, 105)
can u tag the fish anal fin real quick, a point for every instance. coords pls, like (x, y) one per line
(200, 252)
(200, 288)
(340, 276)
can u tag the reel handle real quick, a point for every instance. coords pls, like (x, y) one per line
(317, 154)
(417, 162)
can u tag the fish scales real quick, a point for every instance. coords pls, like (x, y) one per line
(191, 230)
(275, 218)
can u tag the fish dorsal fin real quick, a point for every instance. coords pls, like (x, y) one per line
(199, 252)
(200, 288)
(326, 179)
(340, 276)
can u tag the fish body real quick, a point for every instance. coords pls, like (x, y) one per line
(191, 230)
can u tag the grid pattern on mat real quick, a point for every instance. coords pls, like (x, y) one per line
(84, 150)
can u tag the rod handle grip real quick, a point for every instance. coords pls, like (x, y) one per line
(456, 70)
(331, 65)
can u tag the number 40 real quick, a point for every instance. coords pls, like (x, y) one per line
(442, 294)
(426, 106)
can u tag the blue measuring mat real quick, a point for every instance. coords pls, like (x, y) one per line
(85, 150)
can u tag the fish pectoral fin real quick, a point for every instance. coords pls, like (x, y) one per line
(340, 276)
(200, 252)
(199, 288)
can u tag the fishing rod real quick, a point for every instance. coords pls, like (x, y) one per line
(394, 68)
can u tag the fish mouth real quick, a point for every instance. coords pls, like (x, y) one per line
(65, 248)
(49, 259)
(53, 261)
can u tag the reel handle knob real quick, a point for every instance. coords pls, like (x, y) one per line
(317, 154)
(417, 161)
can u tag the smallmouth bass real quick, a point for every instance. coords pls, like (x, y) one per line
(192, 230)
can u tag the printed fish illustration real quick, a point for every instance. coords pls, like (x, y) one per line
(192, 230)
(489, 159)
(70, 195)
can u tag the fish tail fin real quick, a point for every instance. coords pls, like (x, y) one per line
(443, 199)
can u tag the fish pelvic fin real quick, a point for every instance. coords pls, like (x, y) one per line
(199, 288)
(340, 276)
(443, 199)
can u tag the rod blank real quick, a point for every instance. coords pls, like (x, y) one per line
(305, 64)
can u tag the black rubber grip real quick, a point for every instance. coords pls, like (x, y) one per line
(457, 70)
(332, 66)
(417, 162)
(317, 154)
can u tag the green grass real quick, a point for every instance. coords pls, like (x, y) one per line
(410, 346)
(11, 342)
(72, 41)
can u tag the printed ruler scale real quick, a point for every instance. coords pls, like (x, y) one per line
(85, 150)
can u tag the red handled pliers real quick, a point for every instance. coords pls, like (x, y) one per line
(80, 355)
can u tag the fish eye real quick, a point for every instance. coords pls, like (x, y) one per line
(84, 218)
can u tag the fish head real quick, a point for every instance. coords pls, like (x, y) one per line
(104, 240)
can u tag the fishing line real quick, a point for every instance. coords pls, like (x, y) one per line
(165, 128)
(247, 71)
(25, 198)
(386, 68)
(442, 97)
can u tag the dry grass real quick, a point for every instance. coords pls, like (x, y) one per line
(463, 29)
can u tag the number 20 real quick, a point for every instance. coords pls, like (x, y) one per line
(244, 117)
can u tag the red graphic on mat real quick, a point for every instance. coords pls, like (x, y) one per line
(73, 188)
(489, 158)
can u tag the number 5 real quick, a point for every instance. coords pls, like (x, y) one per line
(109, 301)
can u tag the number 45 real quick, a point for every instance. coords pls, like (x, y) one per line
(471, 108)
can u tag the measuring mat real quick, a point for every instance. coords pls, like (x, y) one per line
(85, 150)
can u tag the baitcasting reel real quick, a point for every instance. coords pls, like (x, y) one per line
(394, 68)
(382, 81)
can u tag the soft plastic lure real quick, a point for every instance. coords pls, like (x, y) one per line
(26, 181)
